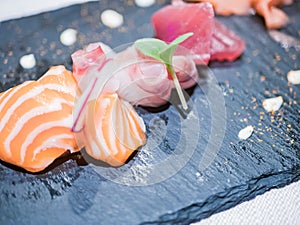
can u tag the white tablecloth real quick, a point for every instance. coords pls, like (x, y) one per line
(276, 207)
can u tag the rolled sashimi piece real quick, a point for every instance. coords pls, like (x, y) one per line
(109, 125)
(185, 70)
(36, 119)
(138, 79)
(142, 81)
(89, 59)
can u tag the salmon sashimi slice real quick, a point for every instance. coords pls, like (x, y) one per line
(224, 7)
(36, 119)
(274, 17)
(113, 130)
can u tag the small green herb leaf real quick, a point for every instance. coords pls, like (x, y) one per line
(164, 52)
(151, 47)
(167, 54)
(181, 38)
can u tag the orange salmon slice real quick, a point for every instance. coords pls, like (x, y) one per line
(113, 129)
(36, 119)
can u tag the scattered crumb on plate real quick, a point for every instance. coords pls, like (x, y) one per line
(245, 133)
(111, 18)
(294, 76)
(68, 37)
(285, 40)
(27, 61)
(272, 104)
(144, 3)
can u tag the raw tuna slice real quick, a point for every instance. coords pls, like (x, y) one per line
(274, 17)
(226, 45)
(174, 20)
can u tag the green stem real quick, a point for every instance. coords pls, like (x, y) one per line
(178, 87)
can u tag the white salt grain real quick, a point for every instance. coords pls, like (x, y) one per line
(272, 104)
(68, 37)
(111, 18)
(294, 76)
(27, 61)
(144, 3)
(245, 133)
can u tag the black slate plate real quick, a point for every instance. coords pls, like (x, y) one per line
(73, 193)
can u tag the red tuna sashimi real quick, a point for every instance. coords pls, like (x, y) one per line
(225, 45)
(171, 21)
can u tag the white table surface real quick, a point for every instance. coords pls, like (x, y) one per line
(276, 207)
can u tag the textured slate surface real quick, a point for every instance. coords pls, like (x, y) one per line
(74, 193)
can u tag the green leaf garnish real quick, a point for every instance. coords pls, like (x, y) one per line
(151, 47)
(164, 52)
